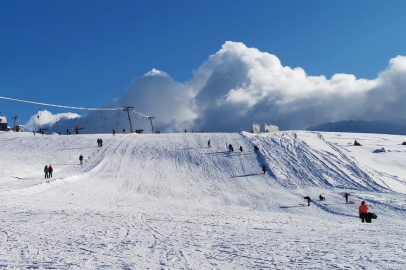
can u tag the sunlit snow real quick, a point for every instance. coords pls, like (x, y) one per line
(168, 201)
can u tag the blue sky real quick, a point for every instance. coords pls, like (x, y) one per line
(85, 53)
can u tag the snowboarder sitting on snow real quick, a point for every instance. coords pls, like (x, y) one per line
(308, 200)
(264, 168)
(322, 198)
(230, 148)
(81, 159)
(357, 143)
(46, 171)
(256, 149)
(363, 212)
(50, 170)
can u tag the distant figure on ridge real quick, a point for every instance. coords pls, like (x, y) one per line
(208, 144)
(81, 160)
(50, 170)
(114, 131)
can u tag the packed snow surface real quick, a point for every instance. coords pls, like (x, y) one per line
(168, 201)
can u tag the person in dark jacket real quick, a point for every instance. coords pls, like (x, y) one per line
(208, 144)
(50, 170)
(81, 160)
(230, 148)
(256, 149)
(264, 168)
(346, 197)
(46, 171)
(240, 148)
(308, 200)
(322, 198)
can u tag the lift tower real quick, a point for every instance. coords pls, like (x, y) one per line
(128, 109)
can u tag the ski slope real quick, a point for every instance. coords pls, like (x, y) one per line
(168, 201)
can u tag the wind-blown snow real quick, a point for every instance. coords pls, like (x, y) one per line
(167, 201)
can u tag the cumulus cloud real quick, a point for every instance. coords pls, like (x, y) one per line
(239, 85)
(45, 119)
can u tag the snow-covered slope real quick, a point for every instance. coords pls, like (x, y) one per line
(168, 201)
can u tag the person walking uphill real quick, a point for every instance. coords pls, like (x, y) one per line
(363, 212)
(81, 160)
(346, 197)
(46, 171)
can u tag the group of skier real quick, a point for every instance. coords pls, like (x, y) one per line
(363, 210)
(48, 171)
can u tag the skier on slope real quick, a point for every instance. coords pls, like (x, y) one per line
(256, 149)
(264, 168)
(208, 144)
(81, 159)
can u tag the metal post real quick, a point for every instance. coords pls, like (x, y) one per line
(127, 109)
(15, 118)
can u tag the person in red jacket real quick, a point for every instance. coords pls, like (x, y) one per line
(50, 170)
(363, 212)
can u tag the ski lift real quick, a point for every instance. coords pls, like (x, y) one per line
(102, 120)
(117, 119)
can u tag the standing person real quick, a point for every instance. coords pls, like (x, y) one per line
(256, 149)
(46, 171)
(124, 130)
(363, 212)
(240, 148)
(101, 142)
(308, 200)
(114, 131)
(208, 144)
(81, 160)
(264, 168)
(50, 170)
(98, 142)
(346, 197)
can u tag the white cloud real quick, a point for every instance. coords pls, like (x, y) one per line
(238, 85)
(45, 119)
